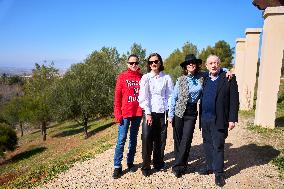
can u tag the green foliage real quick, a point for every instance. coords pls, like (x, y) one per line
(172, 63)
(11, 80)
(247, 114)
(279, 162)
(223, 50)
(259, 129)
(15, 80)
(204, 54)
(8, 139)
(86, 90)
(17, 110)
(122, 63)
(38, 91)
(281, 92)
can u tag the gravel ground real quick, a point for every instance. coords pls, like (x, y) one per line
(246, 166)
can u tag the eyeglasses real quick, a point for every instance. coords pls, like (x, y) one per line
(155, 61)
(131, 63)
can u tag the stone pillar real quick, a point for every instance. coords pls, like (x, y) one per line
(270, 66)
(251, 58)
(240, 62)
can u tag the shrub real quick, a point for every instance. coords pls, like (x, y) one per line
(8, 139)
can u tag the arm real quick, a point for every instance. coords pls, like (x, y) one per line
(144, 95)
(168, 92)
(229, 74)
(234, 103)
(144, 98)
(172, 101)
(118, 100)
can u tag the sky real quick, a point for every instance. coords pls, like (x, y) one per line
(67, 31)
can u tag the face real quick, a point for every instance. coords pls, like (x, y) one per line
(213, 65)
(133, 63)
(191, 67)
(154, 63)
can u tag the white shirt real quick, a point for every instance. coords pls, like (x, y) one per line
(155, 91)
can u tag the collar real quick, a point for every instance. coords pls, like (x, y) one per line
(161, 73)
(190, 75)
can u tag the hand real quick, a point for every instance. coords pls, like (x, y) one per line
(229, 75)
(231, 125)
(170, 122)
(149, 119)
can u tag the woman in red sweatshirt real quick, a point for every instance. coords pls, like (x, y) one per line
(126, 111)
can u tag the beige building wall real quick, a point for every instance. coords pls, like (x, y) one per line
(251, 58)
(240, 62)
(270, 66)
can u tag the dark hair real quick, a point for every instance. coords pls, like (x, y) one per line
(161, 68)
(197, 70)
(133, 55)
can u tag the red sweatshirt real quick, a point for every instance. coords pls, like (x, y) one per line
(126, 95)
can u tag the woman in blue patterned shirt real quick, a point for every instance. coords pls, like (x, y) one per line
(183, 110)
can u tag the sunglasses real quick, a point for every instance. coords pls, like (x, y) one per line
(131, 63)
(155, 61)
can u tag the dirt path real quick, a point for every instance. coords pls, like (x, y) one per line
(246, 166)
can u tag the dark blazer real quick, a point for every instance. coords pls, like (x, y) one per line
(226, 101)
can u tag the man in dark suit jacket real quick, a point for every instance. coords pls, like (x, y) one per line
(218, 113)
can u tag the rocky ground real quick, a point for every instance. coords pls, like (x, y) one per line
(247, 165)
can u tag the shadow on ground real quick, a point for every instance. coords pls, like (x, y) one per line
(279, 122)
(75, 129)
(236, 159)
(101, 128)
(247, 156)
(27, 154)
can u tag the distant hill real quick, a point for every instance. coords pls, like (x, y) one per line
(15, 71)
(22, 71)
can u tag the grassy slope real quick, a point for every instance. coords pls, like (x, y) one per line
(35, 162)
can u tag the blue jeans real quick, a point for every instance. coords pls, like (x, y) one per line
(121, 138)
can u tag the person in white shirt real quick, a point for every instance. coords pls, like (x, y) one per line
(155, 90)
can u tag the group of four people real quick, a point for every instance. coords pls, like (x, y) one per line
(154, 98)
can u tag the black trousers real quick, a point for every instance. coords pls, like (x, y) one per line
(213, 143)
(154, 140)
(183, 133)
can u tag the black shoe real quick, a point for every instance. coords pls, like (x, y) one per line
(177, 174)
(205, 172)
(160, 167)
(117, 172)
(131, 167)
(145, 172)
(220, 180)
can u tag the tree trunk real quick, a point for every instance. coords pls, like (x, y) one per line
(21, 127)
(43, 130)
(86, 128)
